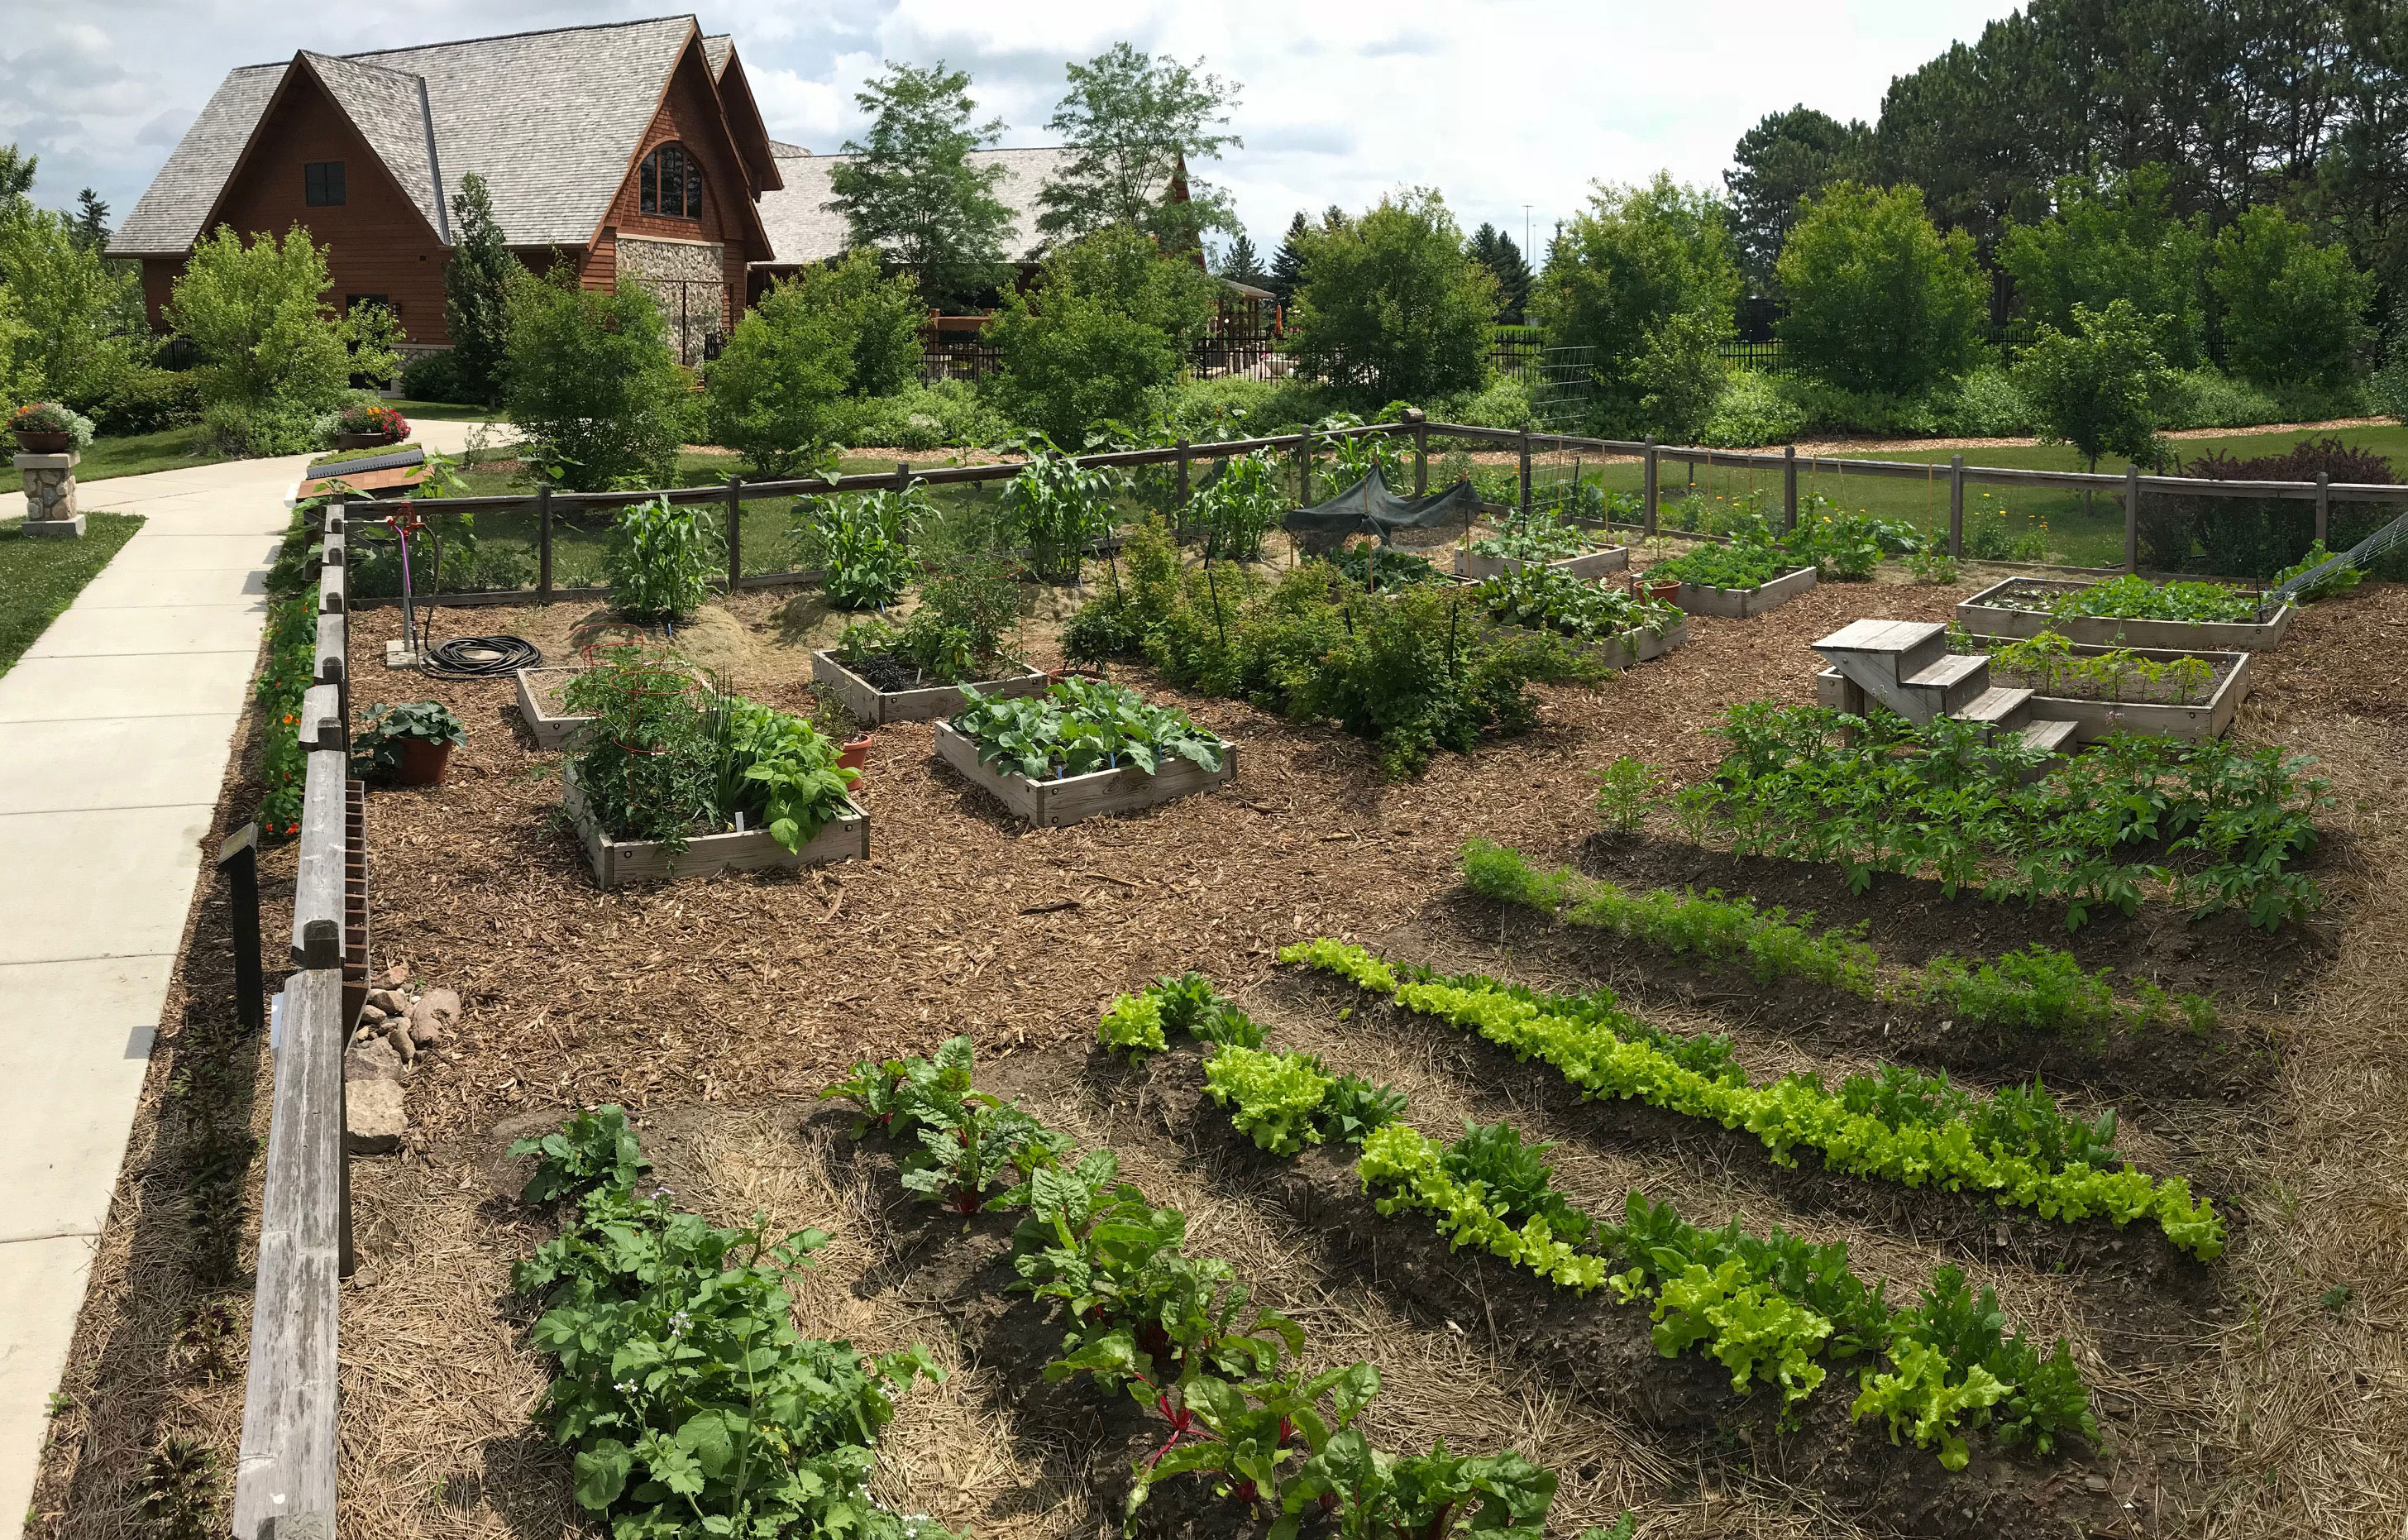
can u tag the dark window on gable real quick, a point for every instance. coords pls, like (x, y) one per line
(352, 302)
(322, 184)
(670, 182)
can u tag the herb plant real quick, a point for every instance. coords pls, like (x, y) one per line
(1078, 727)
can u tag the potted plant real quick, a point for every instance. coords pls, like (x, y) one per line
(364, 425)
(406, 745)
(46, 427)
(854, 756)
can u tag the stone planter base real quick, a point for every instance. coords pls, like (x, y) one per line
(50, 495)
(56, 530)
(1053, 803)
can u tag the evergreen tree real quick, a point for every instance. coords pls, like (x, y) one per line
(91, 221)
(1785, 157)
(1288, 261)
(1495, 250)
(475, 291)
(909, 190)
(1242, 264)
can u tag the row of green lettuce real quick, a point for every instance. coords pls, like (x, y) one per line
(1228, 1382)
(1771, 1309)
(2036, 988)
(2017, 1149)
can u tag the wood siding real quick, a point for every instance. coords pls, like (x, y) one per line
(379, 242)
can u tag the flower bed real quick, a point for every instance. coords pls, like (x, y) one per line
(1084, 749)
(2129, 612)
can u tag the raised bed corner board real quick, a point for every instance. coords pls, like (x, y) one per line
(2094, 719)
(539, 706)
(1051, 804)
(873, 706)
(1588, 563)
(1741, 603)
(618, 863)
(1993, 612)
(1622, 652)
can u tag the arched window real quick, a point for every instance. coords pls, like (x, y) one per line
(672, 183)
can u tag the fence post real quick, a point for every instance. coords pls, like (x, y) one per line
(1304, 468)
(1421, 451)
(735, 532)
(1526, 470)
(2131, 517)
(543, 542)
(1789, 488)
(1648, 476)
(902, 475)
(238, 858)
(2324, 503)
(1182, 473)
(1956, 506)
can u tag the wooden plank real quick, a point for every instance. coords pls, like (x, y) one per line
(318, 884)
(1588, 563)
(1744, 603)
(284, 1472)
(621, 863)
(1053, 804)
(928, 702)
(536, 687)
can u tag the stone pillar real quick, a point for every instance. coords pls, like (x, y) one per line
(50, 495)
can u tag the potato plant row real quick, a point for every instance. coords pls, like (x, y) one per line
(2019, 1151)
(1769, 1308)
(1178, 1334)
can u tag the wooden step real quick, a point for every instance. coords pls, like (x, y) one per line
(1953, 681)
(2053, 735)
(1897, 648)
(2000, 706)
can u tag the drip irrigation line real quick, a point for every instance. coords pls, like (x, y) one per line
(480, 657)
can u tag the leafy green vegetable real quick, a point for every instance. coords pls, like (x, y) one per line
(1272, 1098)
(1551, 599)
(1744, 567)
(2137, 598)
(1078, 727)
(1133, 1026)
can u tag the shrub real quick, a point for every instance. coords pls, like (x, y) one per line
(1101, 336)
(2209, 397)
(1754, 410)
(148, 400)
(2248, 538)
(2095, 389)
(919, 417)
(1391, 305)
(82, 314)
(2115, 239)
(2294, 311)
(1879, 300)
(589, 381)
(661, 559)
(433, 377)
(1683, 376)
(827, 332)
(273, 356)
(1989, 405)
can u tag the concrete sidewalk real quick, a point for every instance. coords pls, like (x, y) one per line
(114, 732)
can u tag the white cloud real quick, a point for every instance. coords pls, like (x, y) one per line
(1496, 104)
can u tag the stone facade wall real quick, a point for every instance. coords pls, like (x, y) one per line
(685, 279)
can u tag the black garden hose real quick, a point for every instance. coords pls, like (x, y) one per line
(480, 657)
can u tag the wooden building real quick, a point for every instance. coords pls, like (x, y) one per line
(632, 149)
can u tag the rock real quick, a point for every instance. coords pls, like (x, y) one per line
(373, 1119)
(396, 976)
(424, 1030)
(371, 1013)
(433, 1017)
(443, 1002)
(385, 1002)
(374, 1060)
(2095, 1482)
(398, 1040)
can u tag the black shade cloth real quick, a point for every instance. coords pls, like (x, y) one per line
(1368, 508)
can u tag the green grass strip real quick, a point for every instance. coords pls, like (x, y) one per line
(1787, 1113)
(41, 576)
(2038, 988)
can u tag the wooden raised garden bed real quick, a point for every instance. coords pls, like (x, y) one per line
(873, 706)
(2094, 718)
(1588, 563)
(1622, 652)
(1995, 612)
(1051, 804)
(540, 708)
(618, 863)
(1740, 603)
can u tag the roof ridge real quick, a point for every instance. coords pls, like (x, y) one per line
(988, 150)
(355, 62)
(499, 37)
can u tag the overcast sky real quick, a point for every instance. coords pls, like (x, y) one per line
(1497, 105)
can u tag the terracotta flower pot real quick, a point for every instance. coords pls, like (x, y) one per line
(1667, 589)
(44, 443)
(856, 754)
(422, 760)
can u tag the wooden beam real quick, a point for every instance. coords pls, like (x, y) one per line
(318, 885)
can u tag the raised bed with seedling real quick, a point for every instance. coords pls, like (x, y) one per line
(1084, 749)
(2129, 612)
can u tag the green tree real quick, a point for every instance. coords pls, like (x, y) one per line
(2294, 311)
(909, 190)
(1878, 299)
(83, 313)
(1137, 126)
(777, 392)
(1788, 156)
(16, 174)
(1241, 263)
(2094, 388)
(1288, 261)
(274, 355)
(1622, 268)
(1391, 306)
(589, 379)
(1495, 251)
(20, 375)
(2111, 238)
(1102, 337)
(92, 221)
(1682, 375)
(476, 283)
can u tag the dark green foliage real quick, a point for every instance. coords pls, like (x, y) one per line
(1785, 157)
(907, 189)
(1495, 251)
(2115, 238)
(476, 281)
(2294, 309)
(958, 632)
(1287, 263)
(588, 378)
(1879, 300)
(1190, 1004)
(2247, 538)
(1390, 306)
(2047, 1401)
(1517, 1180)
(179, 1490)
(1101, 338)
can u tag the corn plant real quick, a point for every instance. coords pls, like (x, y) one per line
(1239, 506)
(1056, 507)
(865, 542)
(660, 560)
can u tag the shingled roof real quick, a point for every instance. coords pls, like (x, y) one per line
(549, 118)
(803, 230)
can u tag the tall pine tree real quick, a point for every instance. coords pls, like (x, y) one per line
(1289, 260)
(91, 221)
(1242, 262)
(475, 291)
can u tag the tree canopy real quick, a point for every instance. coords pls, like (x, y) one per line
(1391, 305)
(1495, 251)
(1623, 267)
(1880, 301)
(1785, 157)
(1102, 336)
(909, 190)
(1135, 125)
(2110, 238)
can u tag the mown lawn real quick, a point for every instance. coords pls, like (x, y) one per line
(140, 453)
(40, 577)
